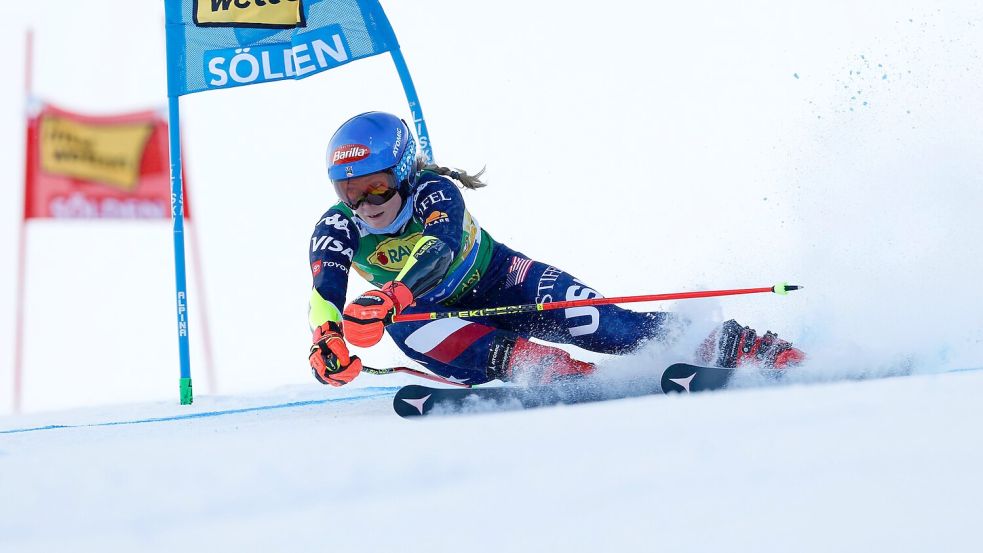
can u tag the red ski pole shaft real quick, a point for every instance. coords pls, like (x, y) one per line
(781, 289)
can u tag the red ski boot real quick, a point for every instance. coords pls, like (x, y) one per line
(539, 364)
(732, 345)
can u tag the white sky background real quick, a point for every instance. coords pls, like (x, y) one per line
(655, 151)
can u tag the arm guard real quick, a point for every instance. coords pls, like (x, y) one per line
(427, 266)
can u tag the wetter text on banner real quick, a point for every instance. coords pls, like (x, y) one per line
(284, 14)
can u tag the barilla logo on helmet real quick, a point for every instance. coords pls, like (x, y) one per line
(349, 153)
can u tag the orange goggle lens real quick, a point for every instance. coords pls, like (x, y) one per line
(374, 189)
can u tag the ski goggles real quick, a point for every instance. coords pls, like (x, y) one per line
(373, 189)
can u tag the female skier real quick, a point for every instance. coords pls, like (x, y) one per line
(403, 226)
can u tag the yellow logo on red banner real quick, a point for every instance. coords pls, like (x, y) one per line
(108, 154)
(248, 13)
(97, 166)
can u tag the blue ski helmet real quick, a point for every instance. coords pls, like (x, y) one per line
(372, 142)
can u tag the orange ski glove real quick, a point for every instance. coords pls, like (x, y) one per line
(329, 357)
(366, 317)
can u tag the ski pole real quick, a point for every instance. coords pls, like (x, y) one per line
(414, 372)
(781, 289)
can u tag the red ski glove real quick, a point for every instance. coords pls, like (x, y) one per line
(366, 317)
(732, 345)
(329, 357)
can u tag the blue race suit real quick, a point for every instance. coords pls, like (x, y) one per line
(483, 273)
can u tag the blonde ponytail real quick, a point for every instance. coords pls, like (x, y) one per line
(471, 182)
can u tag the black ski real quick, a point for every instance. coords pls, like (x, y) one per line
(416, 401)
(686, 378)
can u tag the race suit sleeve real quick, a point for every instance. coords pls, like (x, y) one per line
(333, 244)
(440, 205)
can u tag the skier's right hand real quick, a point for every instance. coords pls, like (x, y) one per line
(329, 357)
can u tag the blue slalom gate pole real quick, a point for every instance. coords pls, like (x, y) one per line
(416, 111)
(180, 273)
(176, 63)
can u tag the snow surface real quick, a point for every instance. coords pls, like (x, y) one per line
(725, 145)
(888, 465)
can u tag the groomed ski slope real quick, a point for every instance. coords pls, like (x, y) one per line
(879, 465)
(702, 145)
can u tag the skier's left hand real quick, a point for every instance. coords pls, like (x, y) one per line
(366, 317)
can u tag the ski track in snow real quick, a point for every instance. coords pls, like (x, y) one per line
(617, 386)
(369, 393)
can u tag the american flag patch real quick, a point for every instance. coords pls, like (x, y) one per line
(518, 271)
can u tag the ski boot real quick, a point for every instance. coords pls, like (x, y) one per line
(537, 364)
(732, 345)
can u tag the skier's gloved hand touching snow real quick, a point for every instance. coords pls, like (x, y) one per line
(330, 360)
(367, 316)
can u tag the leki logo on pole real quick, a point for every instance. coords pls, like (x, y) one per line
(284, 14)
